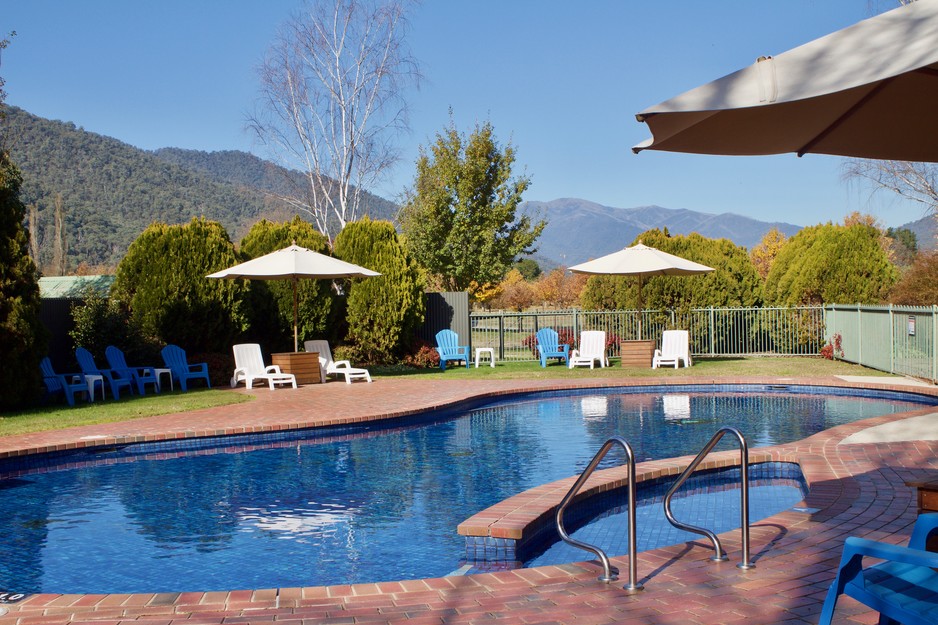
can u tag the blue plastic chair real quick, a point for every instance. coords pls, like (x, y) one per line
(115, 379)
(548, 346)
(68, 384)
(447, 344)
(175, 359)
(903, 588)
(141, 375)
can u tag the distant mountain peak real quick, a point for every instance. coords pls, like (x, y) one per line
(579, 229)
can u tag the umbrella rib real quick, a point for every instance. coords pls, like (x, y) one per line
(846, 115)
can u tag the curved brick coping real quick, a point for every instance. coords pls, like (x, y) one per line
(159, 429)
(511, 526)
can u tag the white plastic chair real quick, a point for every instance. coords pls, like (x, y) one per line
(249, 367)
(327, 366)
(675, 347)
(592, 348)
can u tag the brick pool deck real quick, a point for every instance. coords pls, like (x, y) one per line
(856, 489)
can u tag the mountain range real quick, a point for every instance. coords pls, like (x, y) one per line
(111, 191)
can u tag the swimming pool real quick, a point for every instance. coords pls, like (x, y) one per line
(353, 504)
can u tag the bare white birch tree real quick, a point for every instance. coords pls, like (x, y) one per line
(333, 87)
(913, 181)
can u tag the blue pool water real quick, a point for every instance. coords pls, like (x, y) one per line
(345, 505)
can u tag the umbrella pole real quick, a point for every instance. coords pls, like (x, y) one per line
(639, 307)
(296, 345)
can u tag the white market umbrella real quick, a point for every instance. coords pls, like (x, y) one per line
(868, 91)
(640, 260)
(293, 263)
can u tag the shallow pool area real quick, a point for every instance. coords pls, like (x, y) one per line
(326, 506)
(709, 499)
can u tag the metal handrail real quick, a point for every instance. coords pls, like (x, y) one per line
(719, 554)
(608, 574)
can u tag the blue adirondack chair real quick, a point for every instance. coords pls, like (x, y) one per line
(548, 346)
(115, 379)
(447, 344)
(903, 588)
(175, 359)
(68, 384)
(141, 375)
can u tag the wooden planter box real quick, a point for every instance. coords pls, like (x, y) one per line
(637, 353)
(304, 365)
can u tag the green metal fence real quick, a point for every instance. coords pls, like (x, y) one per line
(896, 339)
(713, 331)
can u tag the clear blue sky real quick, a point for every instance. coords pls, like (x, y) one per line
(561, 80)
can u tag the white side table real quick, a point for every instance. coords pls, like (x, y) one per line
(159, 376)
(491, 353)
(92, 381)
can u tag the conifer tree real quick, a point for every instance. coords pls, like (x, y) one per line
(383, 312)
(831, 264)
(22, 336)
(271, 301)
(162, 280)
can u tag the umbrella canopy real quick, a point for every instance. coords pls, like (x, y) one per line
(640, 260)
(292, 263)
(866, 91)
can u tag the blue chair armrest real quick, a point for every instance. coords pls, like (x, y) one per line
(862, 547)
(925, 526)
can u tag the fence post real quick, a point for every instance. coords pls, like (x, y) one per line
(934, 343)
(860, 336)
(712, 351)
(501, 335)
(892, 341)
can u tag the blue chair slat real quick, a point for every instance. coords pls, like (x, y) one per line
(548, 346)
(67, 384)
(176, 361)
(140, 375)
(447, 345)
(115, 379)
(903, 588)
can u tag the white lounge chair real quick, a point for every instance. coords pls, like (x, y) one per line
(675, 347)
(327, 366)
(592, 348)
(249, 367)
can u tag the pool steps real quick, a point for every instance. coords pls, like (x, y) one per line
(609, 573)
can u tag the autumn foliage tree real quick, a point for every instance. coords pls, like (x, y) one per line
(765, 251)
(919, 285)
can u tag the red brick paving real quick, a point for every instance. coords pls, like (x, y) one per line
(857, 489)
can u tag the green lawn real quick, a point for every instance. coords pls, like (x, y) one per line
(703, 368)
(62, 416)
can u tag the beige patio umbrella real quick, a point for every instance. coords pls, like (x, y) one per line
(869, 91)
(292, 263)
(640, 261)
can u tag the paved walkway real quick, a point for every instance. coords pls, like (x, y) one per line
(855, 489)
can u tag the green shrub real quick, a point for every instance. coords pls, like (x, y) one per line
(383, 313)
(99, 322)
(425, 356)
(162, 282)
